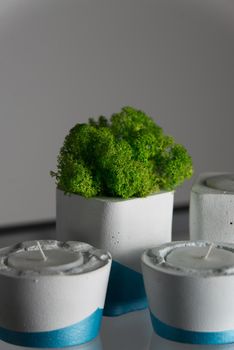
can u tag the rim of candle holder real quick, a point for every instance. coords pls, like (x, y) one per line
(155, 258)
(10, 271)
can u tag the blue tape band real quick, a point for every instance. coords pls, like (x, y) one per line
(125, 291)
(185, 336)
(76, 334)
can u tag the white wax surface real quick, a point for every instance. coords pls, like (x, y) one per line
(51, 257)
(192, 257)
(58, 259)
(222, 182)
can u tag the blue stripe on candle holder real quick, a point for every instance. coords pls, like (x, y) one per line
(126, 292)
(76, 334)
(191, 337)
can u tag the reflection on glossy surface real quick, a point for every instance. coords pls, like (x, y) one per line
(96, 344)
(131, 331)
(158, 343)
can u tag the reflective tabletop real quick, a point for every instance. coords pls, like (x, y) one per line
(128, 332)
(131, 331)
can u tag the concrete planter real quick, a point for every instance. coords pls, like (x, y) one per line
(123, 227)
(211, 208)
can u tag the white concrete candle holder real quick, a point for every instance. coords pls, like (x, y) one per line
(212, 208)
(123, 227)
(52, 293)
(190, 286)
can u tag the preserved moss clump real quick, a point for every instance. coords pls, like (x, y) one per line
(126, 156)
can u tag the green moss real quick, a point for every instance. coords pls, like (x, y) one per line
(128, 156)
(174, 166)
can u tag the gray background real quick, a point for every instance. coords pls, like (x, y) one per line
(63, 61)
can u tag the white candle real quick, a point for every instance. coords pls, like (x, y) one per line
(190, 287)
(58, 258)
(194, 257)
(52, 293)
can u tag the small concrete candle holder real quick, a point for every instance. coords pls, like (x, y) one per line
(212, 208)
(125, 228)
(52, 293)
(190, 286)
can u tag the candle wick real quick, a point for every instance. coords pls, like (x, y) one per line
(208, 252)
(41, 251)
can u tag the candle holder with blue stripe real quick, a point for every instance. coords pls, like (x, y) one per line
(55, 307)
(194, 304)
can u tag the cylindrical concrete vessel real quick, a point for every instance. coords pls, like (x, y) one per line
(191, 303)
(123, 227)
(52, 302)
(212, 208)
